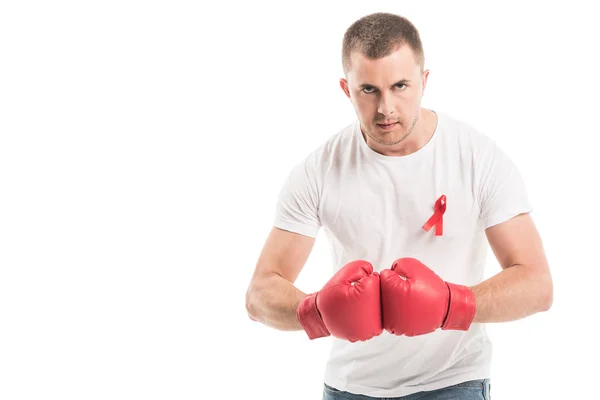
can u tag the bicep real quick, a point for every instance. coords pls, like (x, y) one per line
(517, 242)
(284, 253)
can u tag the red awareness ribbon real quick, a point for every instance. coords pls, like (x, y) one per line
(437, 217)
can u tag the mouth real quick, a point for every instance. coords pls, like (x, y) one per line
(387, 126)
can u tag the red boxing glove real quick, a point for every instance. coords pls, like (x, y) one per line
(347, 307)
(416, 301)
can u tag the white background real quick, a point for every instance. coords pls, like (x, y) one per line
(142, 146)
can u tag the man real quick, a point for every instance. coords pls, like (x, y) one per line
(407, 197)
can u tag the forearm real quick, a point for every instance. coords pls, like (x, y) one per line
(273, 301)
(514, 293)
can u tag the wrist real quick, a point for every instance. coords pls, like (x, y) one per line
(461, 308)
(309, 317)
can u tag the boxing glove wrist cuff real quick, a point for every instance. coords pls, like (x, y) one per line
(310, 319)
(461, 308)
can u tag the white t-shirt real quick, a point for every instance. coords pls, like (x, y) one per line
(373, 207)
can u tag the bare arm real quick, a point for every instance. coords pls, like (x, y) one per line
(272, 298)
(524, 286)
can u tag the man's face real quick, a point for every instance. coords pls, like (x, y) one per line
(386, 94)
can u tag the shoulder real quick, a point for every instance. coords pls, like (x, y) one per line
(334, 149)
(463, 133)
(470, 144)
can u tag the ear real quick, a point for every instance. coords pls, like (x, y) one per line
(344, 86)
(424, 81)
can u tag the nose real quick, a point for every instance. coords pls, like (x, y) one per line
(386, 106)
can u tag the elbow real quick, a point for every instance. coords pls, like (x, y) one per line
(548, 296)
(547, 301)
(250, 308)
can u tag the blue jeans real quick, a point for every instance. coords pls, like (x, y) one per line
(470, 390)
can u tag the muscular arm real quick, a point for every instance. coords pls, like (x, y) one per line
(272, 298)
(524, 286)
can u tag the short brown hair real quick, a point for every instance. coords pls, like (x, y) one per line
(378, 35)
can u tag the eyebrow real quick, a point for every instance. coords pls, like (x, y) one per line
(403, 82)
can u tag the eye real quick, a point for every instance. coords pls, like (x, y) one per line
(401, 86)
(368, 89)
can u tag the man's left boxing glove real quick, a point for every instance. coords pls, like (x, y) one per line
(416, 301)
(347, 307)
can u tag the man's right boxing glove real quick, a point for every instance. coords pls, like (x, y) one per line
(347, 307)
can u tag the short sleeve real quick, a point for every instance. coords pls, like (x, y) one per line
(298, 200)
(501, 189)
